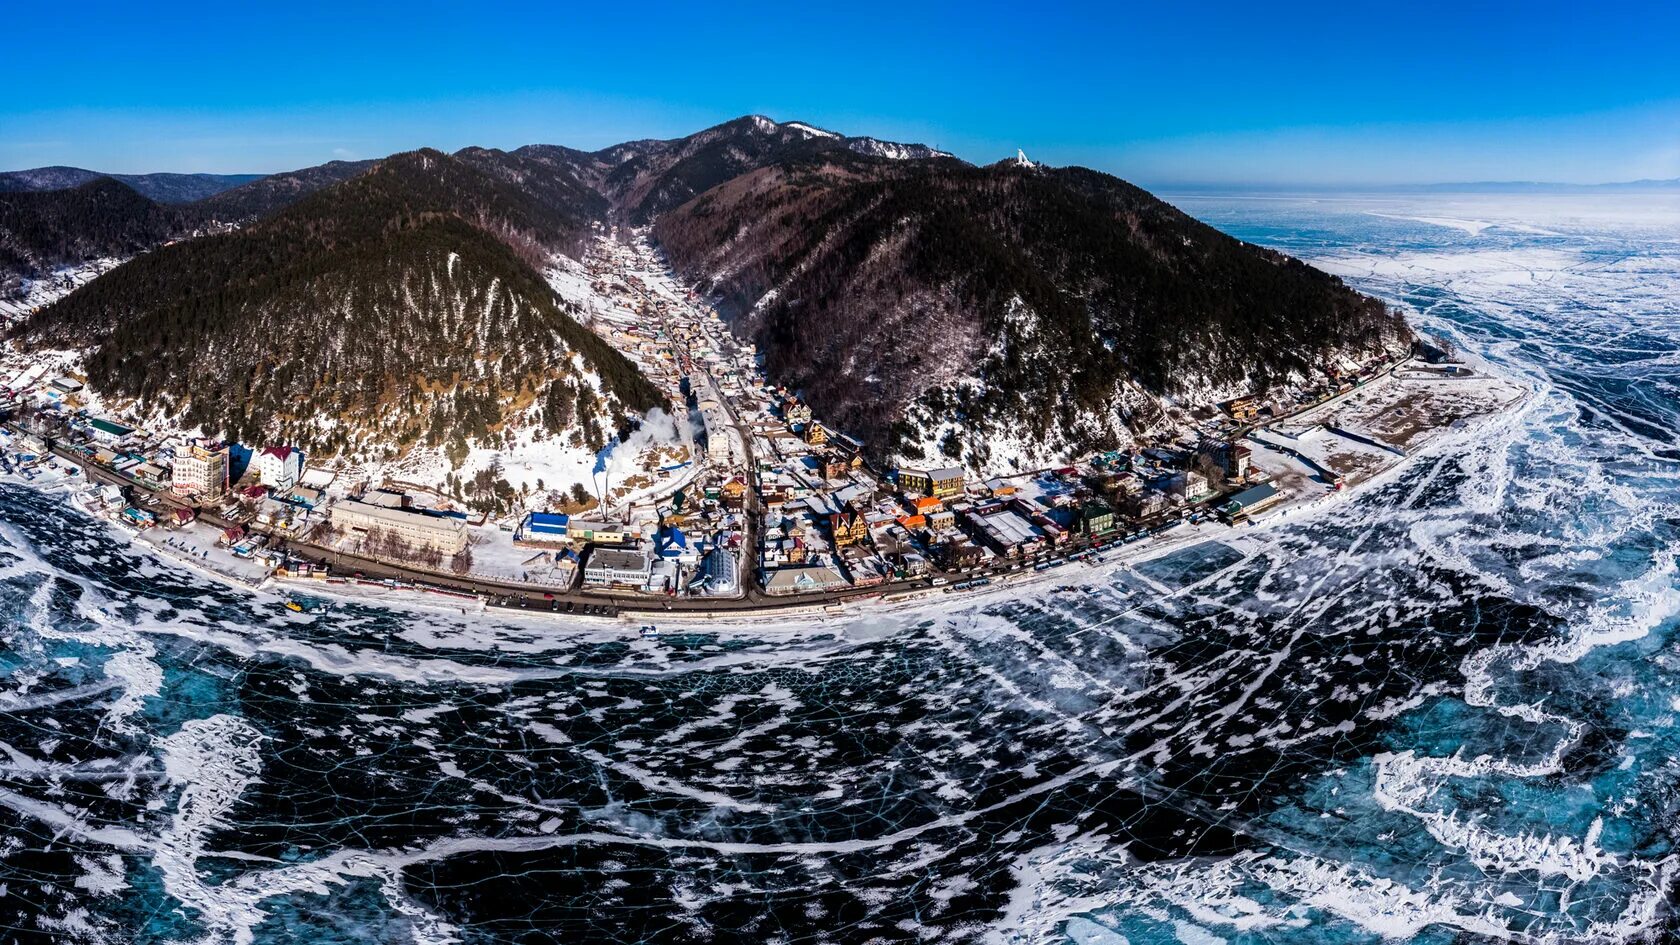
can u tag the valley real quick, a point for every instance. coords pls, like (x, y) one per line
(764, 365)
(739, 500)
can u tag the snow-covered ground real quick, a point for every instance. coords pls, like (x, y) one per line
(42, 292)
(197, 544)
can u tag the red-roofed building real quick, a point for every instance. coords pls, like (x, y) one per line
(278, 467)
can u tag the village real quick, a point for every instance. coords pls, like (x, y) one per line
(755, 502)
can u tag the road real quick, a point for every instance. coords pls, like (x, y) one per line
(522, 596)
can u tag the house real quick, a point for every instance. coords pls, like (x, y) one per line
(849, 446)
(670, 543)
(178, 517)
(1145, 503)
(937, 483)
(306, 497)
(566, 568)
(387, 498)
(834, 466)
(912, 563)
(112, 497)
(617, 567)
(277, 515)
(1095, 518)
(1242, 409)
(803, 579)
(720, 573)
(1189, 485)
(927, 504)
(139, 517)
(278, 467)
(716, 425)
(815, 434)
(958, 556)
(849, 527)
(796, 413)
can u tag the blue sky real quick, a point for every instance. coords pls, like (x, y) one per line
(1160, 93)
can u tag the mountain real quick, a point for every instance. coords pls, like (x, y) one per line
(939, 309)
(163, 188)
(102, 218)
(393, 309)
(994, 316)
(565, 185)
(648, 178)
(264, 195)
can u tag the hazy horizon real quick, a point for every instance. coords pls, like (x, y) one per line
(1233, 186)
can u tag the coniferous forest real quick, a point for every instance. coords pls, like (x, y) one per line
(374, 305)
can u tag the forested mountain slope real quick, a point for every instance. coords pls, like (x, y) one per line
(101, 218)
(392, 309)
(163, 188)
(44, 226)
(648, 178)
(263, 196)
(1008, 303)
(934, 308)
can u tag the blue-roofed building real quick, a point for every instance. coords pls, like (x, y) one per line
(543, 528)
(670, 542)
(547, 523)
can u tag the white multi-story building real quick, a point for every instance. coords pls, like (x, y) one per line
(279, 467)
(613, 567)
(201, 470)
(417, 529)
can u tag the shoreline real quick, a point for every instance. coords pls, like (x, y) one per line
(1292, 510)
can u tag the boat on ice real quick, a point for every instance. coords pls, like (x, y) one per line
(306, 605)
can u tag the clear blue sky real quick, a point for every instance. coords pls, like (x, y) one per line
(1160, 93)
